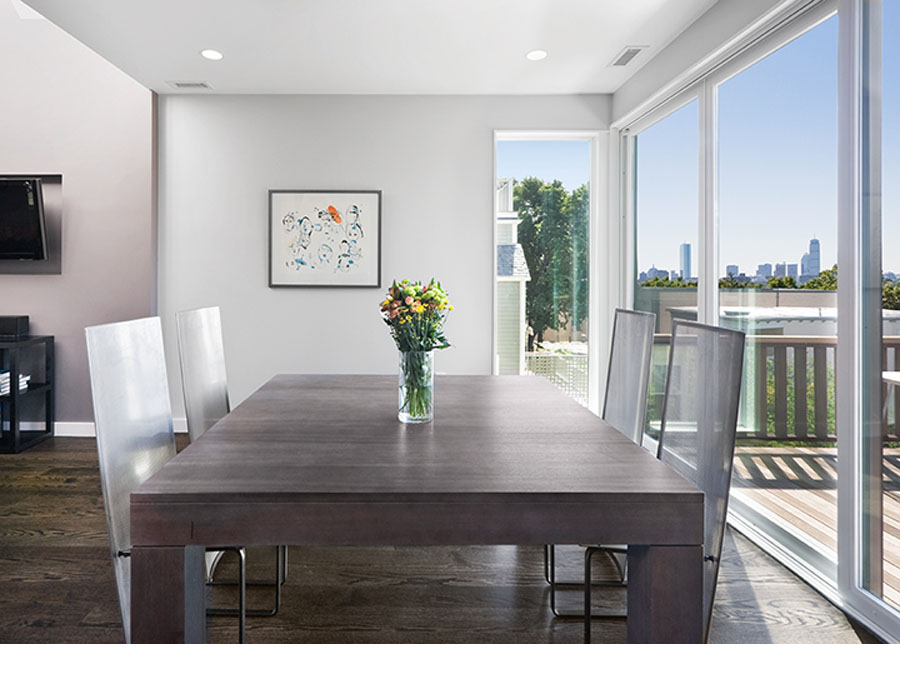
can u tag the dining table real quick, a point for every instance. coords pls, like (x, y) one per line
(322, 460)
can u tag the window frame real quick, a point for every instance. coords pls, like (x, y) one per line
(599, 292)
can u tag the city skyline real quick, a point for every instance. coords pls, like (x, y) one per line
(808, 268)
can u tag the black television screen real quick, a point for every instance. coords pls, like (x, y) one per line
(22, 232)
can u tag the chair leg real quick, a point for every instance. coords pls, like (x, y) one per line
(280, 576)
(242, 621)
(550, 575)
(588, 556)
(241, 611)
(547, 548)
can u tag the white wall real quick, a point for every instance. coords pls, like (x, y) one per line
(432, 156)
(714, 28)
(65, 110)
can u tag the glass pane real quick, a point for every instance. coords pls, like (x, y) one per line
(777, 220)
(542, 225)
(666, 212)
(880, 532)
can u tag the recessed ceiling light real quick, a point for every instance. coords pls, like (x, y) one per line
(536, 55)
(211, 54)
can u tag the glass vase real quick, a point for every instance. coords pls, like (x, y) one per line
(416, 387)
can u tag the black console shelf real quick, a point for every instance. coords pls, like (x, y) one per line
(14, 354)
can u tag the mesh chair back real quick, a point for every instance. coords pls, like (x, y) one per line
(203, 378)
(625, 403)
(699, 421)
(133, 419)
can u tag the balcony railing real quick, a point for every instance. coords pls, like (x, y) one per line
(788, 390)
(569, 372)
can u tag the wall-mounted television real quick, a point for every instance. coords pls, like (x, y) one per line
(23, 235)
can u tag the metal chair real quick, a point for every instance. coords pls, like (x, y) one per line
(133, 419)
(624, 408)
(201, 354)
(697, 433)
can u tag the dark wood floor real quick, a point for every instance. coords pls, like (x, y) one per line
(57, 581)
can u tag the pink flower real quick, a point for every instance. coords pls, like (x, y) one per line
(395, 303)
(394, 313)
(409, 300)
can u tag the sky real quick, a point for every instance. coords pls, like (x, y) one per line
(777, 180)
(567, 161)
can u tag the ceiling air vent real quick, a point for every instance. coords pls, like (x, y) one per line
(627, 54)
(192, 86)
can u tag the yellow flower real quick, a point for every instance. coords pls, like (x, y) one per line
(420, 309)
(449, 306)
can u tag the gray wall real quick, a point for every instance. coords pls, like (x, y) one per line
(431, 156)
(66, 110)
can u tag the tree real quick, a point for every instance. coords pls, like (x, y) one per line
(545, 234)
(730, 282)
(579, 216)
(826, 280)
(782, 282)
(665, 282)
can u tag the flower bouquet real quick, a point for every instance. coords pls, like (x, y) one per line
(415, 313)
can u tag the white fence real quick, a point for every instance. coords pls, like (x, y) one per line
(569, 372)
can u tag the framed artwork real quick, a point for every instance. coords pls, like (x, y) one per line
(325, 238)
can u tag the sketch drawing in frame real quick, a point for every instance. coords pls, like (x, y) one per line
(325, 238)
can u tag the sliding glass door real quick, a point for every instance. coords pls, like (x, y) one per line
(773, 177)
(667, 183)
(874, 583)
(776, 198)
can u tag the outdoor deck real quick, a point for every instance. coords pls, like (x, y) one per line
(798, 485)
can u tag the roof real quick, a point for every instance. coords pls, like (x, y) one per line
(511, 262)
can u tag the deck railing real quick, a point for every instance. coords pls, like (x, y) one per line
(569, 372)
(788, 390)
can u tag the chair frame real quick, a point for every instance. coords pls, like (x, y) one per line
(147, 328)
(281, 554)
(616, 552)
(716, 557)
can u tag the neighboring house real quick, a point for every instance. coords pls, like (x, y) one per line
(512, 275)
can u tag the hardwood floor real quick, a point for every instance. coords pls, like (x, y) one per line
(57, 581)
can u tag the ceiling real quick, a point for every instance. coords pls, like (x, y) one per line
(375, 46)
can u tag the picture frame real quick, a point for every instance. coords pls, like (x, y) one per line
(325, 238)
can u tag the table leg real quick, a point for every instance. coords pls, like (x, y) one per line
(665, 594)
(168, 594)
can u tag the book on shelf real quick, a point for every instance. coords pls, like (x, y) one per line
(24, 382)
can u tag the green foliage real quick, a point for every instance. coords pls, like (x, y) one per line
(890, 294)
(580, 217)
(781, 282)
(553, 231)
(825, 281)
(415, 313)
(665, 282)
(731, 282)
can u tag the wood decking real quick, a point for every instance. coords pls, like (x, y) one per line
(799, 487)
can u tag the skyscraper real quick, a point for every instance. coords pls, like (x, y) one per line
(814, 261)
(685, 256)
(792, 270)
(764, 270)
(732, 270)
(780, 269)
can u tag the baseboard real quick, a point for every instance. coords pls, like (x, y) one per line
(86, 429)
(74, 429)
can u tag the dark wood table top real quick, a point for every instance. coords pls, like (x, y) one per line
(336, 438)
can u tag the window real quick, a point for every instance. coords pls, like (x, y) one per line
(542, 225)
(666, 179)
(777, 271)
